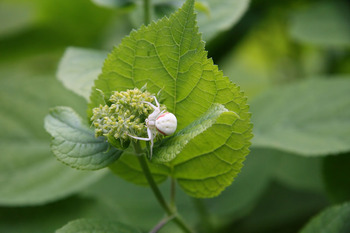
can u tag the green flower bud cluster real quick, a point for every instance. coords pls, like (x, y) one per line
(125, 115)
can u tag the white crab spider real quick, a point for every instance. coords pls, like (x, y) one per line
(161, 121)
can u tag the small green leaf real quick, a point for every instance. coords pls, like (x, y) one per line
(169, 57)
(79, 68)
(75, 144)
(335, 219)
(96, 226)
(324, 24)
(170, 147)
(308, 118)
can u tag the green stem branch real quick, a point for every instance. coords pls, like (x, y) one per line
(161, 224)
(150, 180)
(147, 11)
(170, 212)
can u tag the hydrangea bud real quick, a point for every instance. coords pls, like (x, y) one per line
(125, 115)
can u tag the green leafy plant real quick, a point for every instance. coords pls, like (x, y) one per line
(166, 57)
(291, 58)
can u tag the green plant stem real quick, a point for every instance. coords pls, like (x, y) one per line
(170, 212)
(162, 224)
(149, 177)
(147, 11)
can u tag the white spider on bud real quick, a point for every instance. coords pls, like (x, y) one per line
(161, 121)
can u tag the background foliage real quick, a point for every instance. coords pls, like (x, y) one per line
(290, 57)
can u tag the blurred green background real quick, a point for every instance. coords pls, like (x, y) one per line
(291, 58)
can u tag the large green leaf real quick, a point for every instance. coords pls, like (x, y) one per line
(334, 219)
(169, 56)
(75, 144)
(324, 23)
(97, 226)
(79, 68)
(308, 118)
(29, 173)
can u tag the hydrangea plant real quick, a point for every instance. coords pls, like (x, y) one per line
(164, 60)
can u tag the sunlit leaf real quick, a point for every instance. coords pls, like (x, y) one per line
(169, 57)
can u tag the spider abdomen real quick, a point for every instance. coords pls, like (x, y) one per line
(166, 123)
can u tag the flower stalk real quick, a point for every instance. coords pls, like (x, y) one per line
(170, 211)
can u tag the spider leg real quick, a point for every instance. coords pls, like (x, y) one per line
(150, 104)
(140, 138)
(155, 99)
(151, 136)
(154, 107)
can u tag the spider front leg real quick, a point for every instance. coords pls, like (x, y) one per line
(150, 138)
(150, 104)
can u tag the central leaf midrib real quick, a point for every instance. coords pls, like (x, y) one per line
(179, 57)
